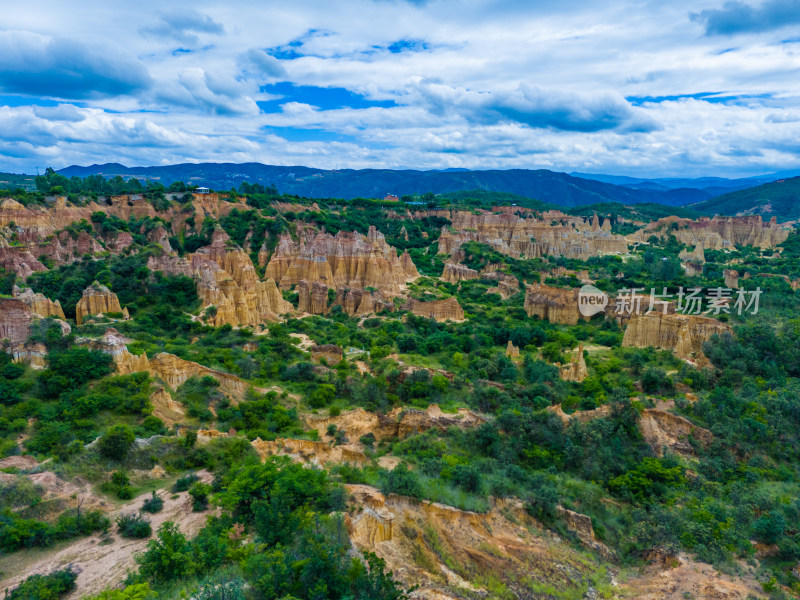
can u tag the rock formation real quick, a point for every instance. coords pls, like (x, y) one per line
(357, 302)
(511, 350)
(318, 454)
(312, 299)
(39, 304)
(227, 280)
(683, 334)
(576, 369)
(440, 310)
(15, 321)
(415, 538)
(731, 278)
(507, 285)
(175, 371)
(96, 299)
(719, 232)
(558, 305)
(399, 423)
(455, 272)
(347, 259)
(554, 234)
(662, 429)
(332, 354)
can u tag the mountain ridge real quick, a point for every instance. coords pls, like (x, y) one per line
(551, 187)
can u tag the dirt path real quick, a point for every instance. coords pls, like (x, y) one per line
(100, 565)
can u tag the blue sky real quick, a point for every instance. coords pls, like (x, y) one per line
(639, 88)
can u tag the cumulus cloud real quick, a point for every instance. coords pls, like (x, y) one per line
(62, 68)
(537, 108)
(265, 64)
(209, 92)
(737, 17)
(182, 25)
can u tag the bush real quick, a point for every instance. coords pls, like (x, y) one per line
(184, 483)
(168, 556)
(45, 587)
(199, 493)
(120, 485)
(133, 526)
(401, 481)
(153, 504)
(116, 442)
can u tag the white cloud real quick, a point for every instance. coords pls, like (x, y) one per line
(477, 83)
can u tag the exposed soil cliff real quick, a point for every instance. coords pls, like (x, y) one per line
(558, 305)
(39, 304)
(576, 369)
(448, 552)
(398, 423)
(347, 259)
(227, 281)
(718, 232)
(683, 334)
(455, 272)
(554, 234)
(440, 310)
(96, 299)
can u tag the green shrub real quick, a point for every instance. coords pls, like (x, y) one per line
(45, 587)
(131, 525)
(184, 483)
(401, 480)
(153, 504)
(168, 556)
(116, 442)
(199, 493)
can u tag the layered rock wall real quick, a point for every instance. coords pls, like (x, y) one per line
(557, 305)
(96, 299)
(440, 310)
(683, 334)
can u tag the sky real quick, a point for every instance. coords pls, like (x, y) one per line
(640, 88)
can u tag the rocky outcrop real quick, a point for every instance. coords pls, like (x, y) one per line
(34, 355)
(19, 260)
(664, 430)
(507, 285)
(15, 321)
(455, 272)
(581, 525)
(332, 354)
(731, 278)
(347, 259)
(175, 371)
(313, 298)
(554, 234)
(228, 282)
(683, 334)
(310, 452)
(96, 299)
(697, 255)
(357, 302)
(165, 408)
(447, 552)
(576, 369)
(398, 423)
(719, 232)
(557, 305)
(39, 304)
(440, 310)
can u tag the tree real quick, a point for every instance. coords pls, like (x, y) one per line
(116, 442)
(168, 556)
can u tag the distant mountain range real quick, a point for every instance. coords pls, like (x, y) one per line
(779, 198)
(560, 189)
